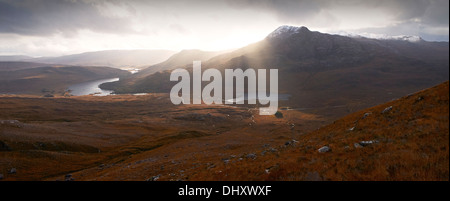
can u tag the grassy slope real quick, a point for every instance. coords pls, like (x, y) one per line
(132, 136)
(413, 144)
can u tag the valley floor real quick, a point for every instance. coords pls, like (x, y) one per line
(126, 137)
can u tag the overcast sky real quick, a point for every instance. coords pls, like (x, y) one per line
(58, 27)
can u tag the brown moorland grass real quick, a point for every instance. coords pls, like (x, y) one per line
(411, 143)
(128, 137)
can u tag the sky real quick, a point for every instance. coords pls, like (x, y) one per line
(61, 27)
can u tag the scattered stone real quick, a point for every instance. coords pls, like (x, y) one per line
(68, 177)
(273, 150)
(366, 143)
(12, 171)
(352, 128)
(386, 109)
(357, 145)
(324, 149)
(252, 156)
(366, 115)
(267, 170)
(13, 122)
(209, 166)
(292, 126)
(154, 178)
(291, 142)
(420, 98)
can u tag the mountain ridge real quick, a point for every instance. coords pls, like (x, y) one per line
(322, 70)
(113, 58)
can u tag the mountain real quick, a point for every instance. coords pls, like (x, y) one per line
(179, 59)
(18, 65)
(406, 139)
(138, 80)
(53, 80)
(112, 58)
(15, 58)
(327, 74)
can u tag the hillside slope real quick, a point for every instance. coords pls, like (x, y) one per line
(179, 59)
(409, 141)
(18, 65)
(140, 82)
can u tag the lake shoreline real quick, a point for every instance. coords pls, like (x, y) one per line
(91, 88)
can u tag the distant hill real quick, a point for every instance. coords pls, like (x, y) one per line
(406, 139)
(53, 80)
(15, 58)
(326, 74)
(111, 58)
(140, 80)
(179, 59)
(18, 65)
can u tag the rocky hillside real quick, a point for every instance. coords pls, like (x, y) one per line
(405, 139)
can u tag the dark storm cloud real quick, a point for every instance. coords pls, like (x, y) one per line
(290, 10)
(45, 17)
(426, 18)
(430, 11)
